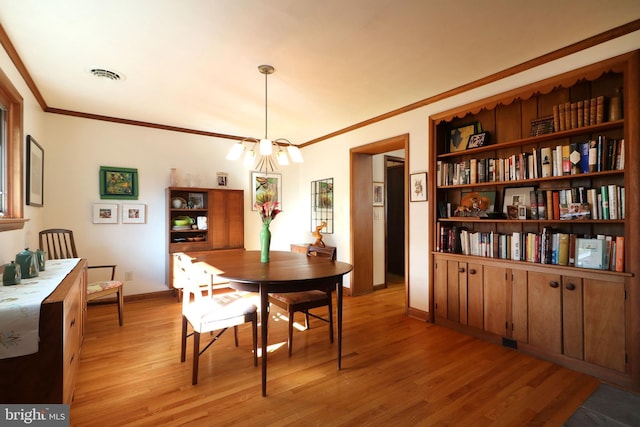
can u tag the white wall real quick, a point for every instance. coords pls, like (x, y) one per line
(75, 148)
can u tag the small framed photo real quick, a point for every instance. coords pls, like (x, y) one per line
(222, 179)
(118, 183)
(196, 201)
(418, 187)
(105, 213)
(478, 140)
(517, 197)
(477, 203)
(378, 194)
(459, 136)
(134, 213)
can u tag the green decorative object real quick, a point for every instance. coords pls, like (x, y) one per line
(265, 242)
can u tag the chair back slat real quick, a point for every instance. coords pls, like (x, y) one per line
(192, 280)
(58, 243)
(322, 251)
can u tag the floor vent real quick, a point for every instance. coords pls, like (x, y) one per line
(508, 342)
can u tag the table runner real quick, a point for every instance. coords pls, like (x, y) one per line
(20, 308)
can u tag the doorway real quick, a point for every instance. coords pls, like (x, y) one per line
(361, 209)
(394, 219)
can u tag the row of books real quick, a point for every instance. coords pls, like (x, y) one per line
(606, 202)
(548, 247)
(572, 115)
(596, 155)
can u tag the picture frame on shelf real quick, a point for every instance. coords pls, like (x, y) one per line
(35, 173)
(459, 136)
(477, 203)
(196, 201)
(516, 197)
(378, 194)
(118, 183)
(105, 213)
(134, 213)
(265, 187)
(478, 140)
(418, 186)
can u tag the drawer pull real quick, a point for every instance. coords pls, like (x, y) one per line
(461, 270)
(472, 271)
(554, 284)
(570, 286)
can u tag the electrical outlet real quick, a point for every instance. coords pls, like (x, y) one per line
(128, 276)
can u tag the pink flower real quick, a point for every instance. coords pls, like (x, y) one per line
(268, 211)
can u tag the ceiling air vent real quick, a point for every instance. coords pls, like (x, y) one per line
(105, 74)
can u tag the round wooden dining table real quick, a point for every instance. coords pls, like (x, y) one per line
(285, 272)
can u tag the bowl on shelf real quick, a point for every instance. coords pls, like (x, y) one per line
(178, 203)
(196, 239)
(183, 221)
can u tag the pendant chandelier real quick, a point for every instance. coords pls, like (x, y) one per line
(260, 153)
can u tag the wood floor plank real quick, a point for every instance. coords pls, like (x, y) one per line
(396, 371)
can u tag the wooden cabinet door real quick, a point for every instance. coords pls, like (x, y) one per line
(453, 290)
(495, 300)
(440, 288)
(572, 337)
(226, 219)
(475, 295)
(519, 330)
(604, 323)
(545, 311)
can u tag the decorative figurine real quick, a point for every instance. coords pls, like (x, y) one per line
(317, 234)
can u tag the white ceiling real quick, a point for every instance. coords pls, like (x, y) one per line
(193, 63)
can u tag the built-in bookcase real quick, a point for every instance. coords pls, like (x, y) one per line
(541, 183)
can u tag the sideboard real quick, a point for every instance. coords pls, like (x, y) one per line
(49, 375)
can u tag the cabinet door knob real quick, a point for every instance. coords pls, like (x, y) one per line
(461, 270)
(472, 271)
(570, 286)
(554, 284)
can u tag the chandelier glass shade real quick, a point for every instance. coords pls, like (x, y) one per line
(265, 154)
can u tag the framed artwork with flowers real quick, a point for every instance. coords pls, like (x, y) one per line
(265, 187)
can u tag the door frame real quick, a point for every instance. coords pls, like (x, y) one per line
(361, 199)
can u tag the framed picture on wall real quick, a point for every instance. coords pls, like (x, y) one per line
(105, 213)
(265, 187)
(378, 194)
(35, 173)
(418, 187)
(134, 213)
(118, 183)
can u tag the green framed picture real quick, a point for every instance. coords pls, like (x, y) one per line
(118, 183)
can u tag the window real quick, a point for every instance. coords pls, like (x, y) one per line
(11, 156)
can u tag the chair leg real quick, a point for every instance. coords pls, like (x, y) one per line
(183, 351)
(121, 306)
(290, 340)
(235, 334)
(196, 356)
(307, 325)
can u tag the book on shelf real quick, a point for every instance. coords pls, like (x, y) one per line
(604, 194)
(619, 264)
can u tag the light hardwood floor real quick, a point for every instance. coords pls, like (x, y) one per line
(396, 371)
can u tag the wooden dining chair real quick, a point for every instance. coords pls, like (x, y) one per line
(59, 244)
(208, 311)
(304, 301)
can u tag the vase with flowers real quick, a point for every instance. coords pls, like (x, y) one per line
(268, 211)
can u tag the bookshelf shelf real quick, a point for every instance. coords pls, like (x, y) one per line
(533, 278)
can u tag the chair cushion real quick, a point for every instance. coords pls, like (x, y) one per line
(221, 311)
(94, 287)
(300, 297)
